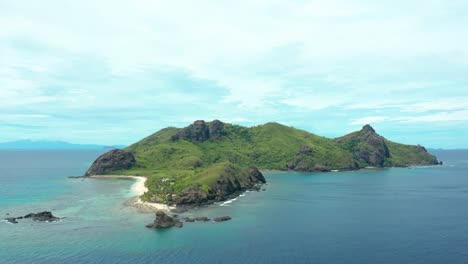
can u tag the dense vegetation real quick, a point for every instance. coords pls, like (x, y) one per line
(177, 159)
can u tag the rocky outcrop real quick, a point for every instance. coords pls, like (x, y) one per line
(232, 181)
(256, 176)
(201, 131)
(164, 221)
(374, 151)
(222, 218)
(303, 160)
(191, 196)
(229, 183)
(113, 160)
(13, 220)
(216, 129)
(41, 217)
(367, 146)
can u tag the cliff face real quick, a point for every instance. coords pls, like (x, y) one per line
(211, 161)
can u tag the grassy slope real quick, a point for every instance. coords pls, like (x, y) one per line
(173, 166)
(403, 155)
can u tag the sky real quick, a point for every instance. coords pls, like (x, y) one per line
(113, 72)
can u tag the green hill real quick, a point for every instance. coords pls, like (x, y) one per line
(212, 161)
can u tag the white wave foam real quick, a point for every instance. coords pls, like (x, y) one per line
(226, 203)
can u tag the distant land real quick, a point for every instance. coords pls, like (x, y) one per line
(28, 144)
(449, 154)
(212, 161)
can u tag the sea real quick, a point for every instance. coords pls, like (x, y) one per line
(392, 215)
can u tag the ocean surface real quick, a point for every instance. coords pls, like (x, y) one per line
(396, 215)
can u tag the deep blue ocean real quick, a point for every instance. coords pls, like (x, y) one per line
(396, 215)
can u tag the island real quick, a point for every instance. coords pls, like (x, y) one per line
(207, 162)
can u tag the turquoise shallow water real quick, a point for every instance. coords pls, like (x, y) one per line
(413, 215)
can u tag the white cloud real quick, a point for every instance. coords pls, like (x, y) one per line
(312, 102)
(218, 41)
(437, 104)
(413, 105)
(270, 58)
(369, 120)
(436, 118)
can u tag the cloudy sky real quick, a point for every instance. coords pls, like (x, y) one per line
(112, 72)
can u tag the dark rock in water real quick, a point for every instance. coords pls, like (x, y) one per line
(222, 218)
(76, 177)
(113, 160)
(42, 216)
(198, 219)
(11, 220)
(441, 163)
(164, 221)
(202, 219)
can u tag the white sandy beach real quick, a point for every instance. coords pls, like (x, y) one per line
(138, 189)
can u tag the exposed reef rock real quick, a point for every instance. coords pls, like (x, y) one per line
(201, 131)
(113, 160)
(222, 218)
(198, 219)
(12, 219)
(164, 221)
(41, 217)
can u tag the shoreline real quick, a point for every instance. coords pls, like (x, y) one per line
(137, 189)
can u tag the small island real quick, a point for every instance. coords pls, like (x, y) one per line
(214, 161)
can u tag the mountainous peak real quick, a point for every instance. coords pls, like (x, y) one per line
(368, 128)
(367, 146)
(50, 145)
